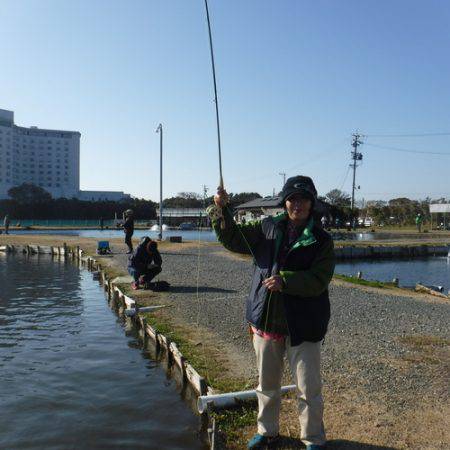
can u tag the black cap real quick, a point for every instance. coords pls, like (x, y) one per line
(299, 185)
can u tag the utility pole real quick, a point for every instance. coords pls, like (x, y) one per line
(356, 156)
(160, 131)
(283, 174)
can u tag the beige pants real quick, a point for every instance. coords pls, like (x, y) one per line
(304, 362)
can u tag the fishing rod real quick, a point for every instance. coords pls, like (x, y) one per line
(219, 215)
(219, 211)
(215, 93)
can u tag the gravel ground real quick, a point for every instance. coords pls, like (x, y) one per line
(363, 343)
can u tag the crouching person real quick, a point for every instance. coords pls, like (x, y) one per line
(144, 264)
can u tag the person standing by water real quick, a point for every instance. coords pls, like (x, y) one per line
(6, 222)
(419, 220)
(128, 228)
(101, 223)
(288, 307)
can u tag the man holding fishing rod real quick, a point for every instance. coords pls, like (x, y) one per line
(288, 307)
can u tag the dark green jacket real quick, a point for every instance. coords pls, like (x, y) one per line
(306, 273)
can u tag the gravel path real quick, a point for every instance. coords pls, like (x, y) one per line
(364, 343)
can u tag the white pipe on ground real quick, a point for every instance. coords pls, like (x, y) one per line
(229, 399)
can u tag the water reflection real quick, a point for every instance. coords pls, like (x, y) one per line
(69, 376)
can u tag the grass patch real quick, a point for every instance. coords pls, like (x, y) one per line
(231, 423)
(425, 349)
(204, 359)
(362, 282)
(421, 341)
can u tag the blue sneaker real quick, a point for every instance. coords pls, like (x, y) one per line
(316, 447)
(258, 441)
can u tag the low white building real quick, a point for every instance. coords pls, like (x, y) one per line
(97, 196)
(46, 158)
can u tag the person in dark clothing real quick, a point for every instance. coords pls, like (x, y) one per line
(128, 228)
(102, 223)
(6, 223)
(145, 263)
(288, 307)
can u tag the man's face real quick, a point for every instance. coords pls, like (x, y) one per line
(298, 208)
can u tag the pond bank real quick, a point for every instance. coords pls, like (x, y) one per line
(384, 350)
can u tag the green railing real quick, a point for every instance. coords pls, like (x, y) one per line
(70, 223)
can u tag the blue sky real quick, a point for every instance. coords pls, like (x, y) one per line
(296, 78)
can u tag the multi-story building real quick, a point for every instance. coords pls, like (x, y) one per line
(46, 158)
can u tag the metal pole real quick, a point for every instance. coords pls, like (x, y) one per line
(215, 93)
(355, 157)
(160, 131)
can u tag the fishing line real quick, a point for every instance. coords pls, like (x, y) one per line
(198, 277)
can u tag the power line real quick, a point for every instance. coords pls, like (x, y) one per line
(329, 151)
(407, 193)
(445, 133)
(405, 150)
(345, 177)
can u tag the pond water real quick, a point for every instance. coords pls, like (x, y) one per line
(428, 271)
(72, 375)
(193, 235)
(209, 235)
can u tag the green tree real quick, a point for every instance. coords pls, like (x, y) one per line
(337, 197)
(28, 193)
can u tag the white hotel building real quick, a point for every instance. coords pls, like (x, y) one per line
(46, 158)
